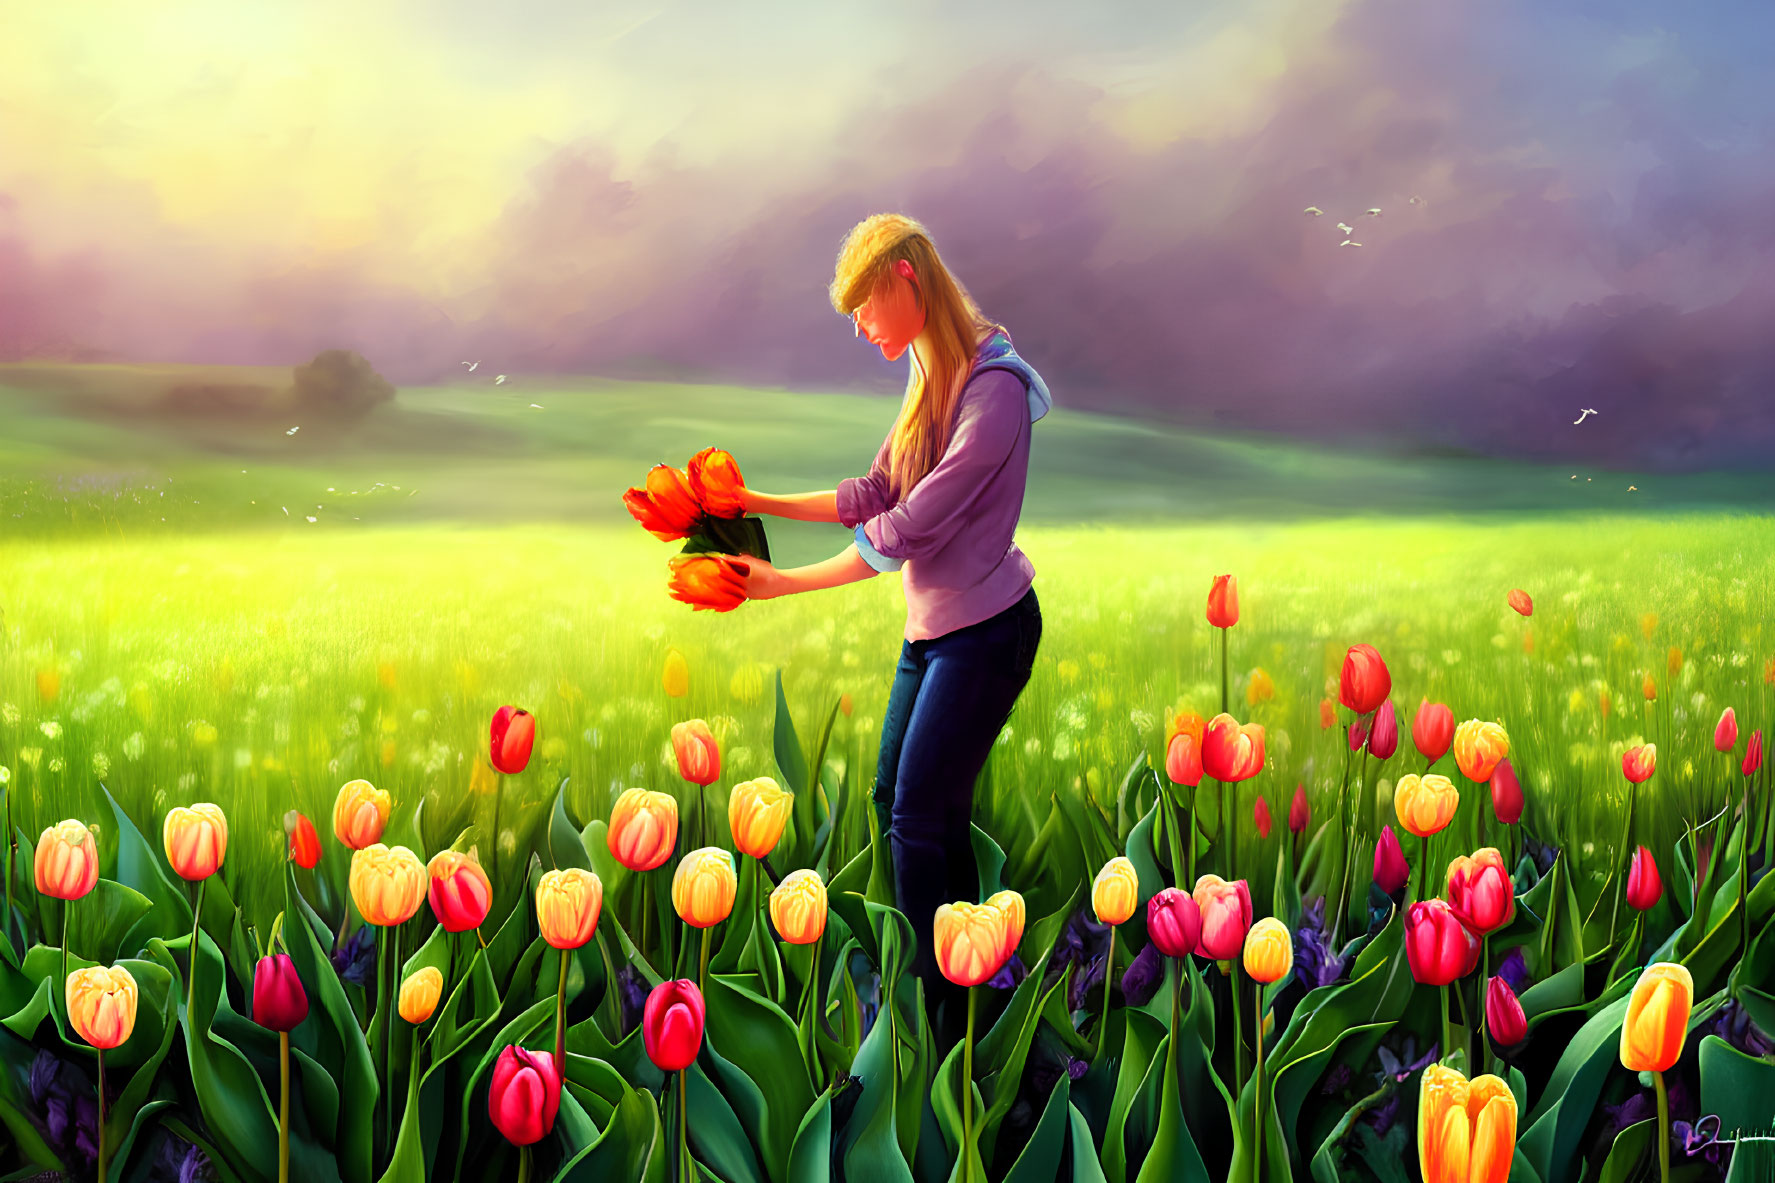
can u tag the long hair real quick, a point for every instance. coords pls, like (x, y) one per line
(953, 321)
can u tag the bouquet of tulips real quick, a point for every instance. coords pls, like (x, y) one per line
(702, 503)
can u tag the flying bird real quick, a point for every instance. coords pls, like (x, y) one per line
(1373, 213)
(1346, 228)
(499, 381)
(1583, 415)
(1349, 242)
(472, 365)
(538, 406)
(1633, 488)
(1415, 200)
(294, 430)
(1314, 210)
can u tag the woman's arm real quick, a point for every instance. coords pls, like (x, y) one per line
(765, 582)
(801, 507)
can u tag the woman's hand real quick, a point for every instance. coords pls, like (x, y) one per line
(763, 581)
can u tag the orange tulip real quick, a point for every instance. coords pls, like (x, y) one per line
(67, 861)
(1657, 1022)
(1223, 602)
(798, 907)
(1466, 1130)
(460, 892)
(195, 840)
(360, 812)
(757, 810)
(1115, 893)
(304, 841)
(666, 505)
(1520, 601)
(1673, 661)
(102, 1005)
(715, 479)
(1479, 745)
(1425, 804)
(387, 884)
(1183, 749)
(675, 675)
(1269, 951)
(1327, 714)
(1231, 752)
(970, 941)
(708, 582)
(568, 903)
(699, 756)
(643, 829)
(420, 993)
(1649, 688)
(1638, 764)
(704, 886)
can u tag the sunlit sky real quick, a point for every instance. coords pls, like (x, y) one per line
(596, 188)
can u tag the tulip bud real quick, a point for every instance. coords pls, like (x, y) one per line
(1506, 794)
(699, 757)
(1753, 754)
(970, 941)
(67, 861)
(102, 1005)
(304, 842)
(567, 906)
(1466, 1131)
(1115, 893)
(1432, 728)
(359, 814)
(1520, 601)
(1391, 871)
(1638, 764)
(1725, 736)
(757, 810)
(195, 840)
(1365, 682)
(704, 886)
(1383, 738)
(1260, 816)
(1183, 750)
(1503, 1014)
(643, 829)
(1438, 946)
(675, 674)
(1231, 752)
(1299, 813)
(1174, 922)
(512, 734)
(798, 907)
(1269, 951)
(420, 993)
(1479, 745)
(1644, 886)
(672, 1025)
(1223, 602)
(387, 884)
(1226, 916)
(460, 892)
(1657, 1022)
(1425, 804)
(1480, 891)
(524, 1095)
(279, 1001)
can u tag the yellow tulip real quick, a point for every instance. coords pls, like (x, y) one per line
(387, 884)
(1269, 951)
(67, 861)
(1011, 904)
(195, 840)
(102, 1005)
(675, 677)
(798, 907)
(970, 941)
(1116, 891)
(567, 906)
(643, 829)
(703, 887)
(420, 994)
(1466, 1130)
(1657, 1022)
(1425, 804)
(1479, 745)
(757, 810)
(360, 811)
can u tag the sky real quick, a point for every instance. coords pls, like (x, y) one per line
(1577, 200)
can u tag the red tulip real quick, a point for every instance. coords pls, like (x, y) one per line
(715, 478)
(1432, 730)
(1226, 917)
(459, 890)
(672, 1024)
(1298, 811)
(1480, 891)
(1506, 793)
(1223, 602)
(513, 732)
(1383, 736)
(279, 1001)
(1365, 683)
(524, 1095)
(1183, 749)
(1644, 887)
(1519, 600)
(304, 841)
(1391, 871)
(667, 506)
(1231, 752)
(1725, 736)
(1174, 922)
(1503, 1014)
(1260, 813)
(1437, 945)
(1753, 754)
(1638, 764)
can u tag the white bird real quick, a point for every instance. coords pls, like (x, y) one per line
(1349, 242)
(538, 406)
(1373, 213)
(1583, 415)
(472, 365)
(499, 381)
(1415, 200)
(293, 430)
(1574, 476)
(1346, 228)
(1633, 488)
(311, 517)
(1313, 210)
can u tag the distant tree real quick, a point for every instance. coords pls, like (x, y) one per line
(340, 383)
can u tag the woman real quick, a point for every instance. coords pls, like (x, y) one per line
(939, 504)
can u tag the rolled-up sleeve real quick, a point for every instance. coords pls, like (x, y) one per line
(862, 497)
(992, 420)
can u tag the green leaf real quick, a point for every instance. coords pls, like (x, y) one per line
(565, 846)
(756, 1036)
(1737, 1087)
(230, 1095)
(1000, 1055)
(1041, 1154)
(989, 859)
(717, 1139)
(1138, 1083)
(1629, 1149)
(791, 760)
(632, 1147)
(98, 923)
(138, 867)
(1085, 1167)
(810, 1159)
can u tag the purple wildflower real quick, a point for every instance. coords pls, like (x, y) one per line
(1009, 975)
(1382, 1116)
(354, 959)
(1143, 976)
(1638, 1107)
(1514, 970)
(1407, 1062)
(1336, 1080)
(632, 988)
(1734, 1025)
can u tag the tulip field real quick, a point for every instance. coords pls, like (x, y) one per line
(501, 864)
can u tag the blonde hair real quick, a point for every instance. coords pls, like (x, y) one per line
(954, 323)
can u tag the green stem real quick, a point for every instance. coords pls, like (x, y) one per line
(807, 1006)
(967, 1087)
(283, 1108)
(1223, 665)
(68, 906)
(1238, 1032)
(684, 1164)
(523, 1164)
(1343, 890)
(1448, 1033)
(1257, 1143)
(1663, 1129)
(196, 935)
(103, 1156)
(702, 969)
(1484, 981)
(1174, 839)
(1744, 870)
(6, 917)
(1109, 968)
(561, 1013)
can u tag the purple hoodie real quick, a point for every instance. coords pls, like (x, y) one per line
(953, 532)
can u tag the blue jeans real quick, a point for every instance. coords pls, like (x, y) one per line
(951, 696)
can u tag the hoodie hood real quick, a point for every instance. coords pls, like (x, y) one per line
(998, 354)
